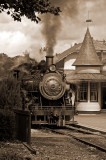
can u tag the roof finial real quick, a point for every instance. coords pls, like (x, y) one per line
(88, 20)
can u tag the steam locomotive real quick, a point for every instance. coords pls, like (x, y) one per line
(46, 96)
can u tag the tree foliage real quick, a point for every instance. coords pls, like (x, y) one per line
(28, 8)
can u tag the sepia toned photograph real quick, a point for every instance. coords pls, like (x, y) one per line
(52, 79)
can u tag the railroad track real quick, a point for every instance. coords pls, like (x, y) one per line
(84, 136)
(86, 131)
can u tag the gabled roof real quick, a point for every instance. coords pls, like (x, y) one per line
(61, 56)
(87, 54)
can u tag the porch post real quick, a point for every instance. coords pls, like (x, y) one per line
(99, 94)
(88, 91)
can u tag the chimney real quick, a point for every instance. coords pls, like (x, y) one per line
(49, 60)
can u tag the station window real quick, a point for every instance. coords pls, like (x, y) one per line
(83, 92)
(93, 92)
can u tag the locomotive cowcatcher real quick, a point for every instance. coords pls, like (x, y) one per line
(46, 96)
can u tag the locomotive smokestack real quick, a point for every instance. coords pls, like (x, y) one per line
(49, 60)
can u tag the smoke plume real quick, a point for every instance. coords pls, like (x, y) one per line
(52, 24)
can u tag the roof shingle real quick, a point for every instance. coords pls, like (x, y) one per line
(74, 77)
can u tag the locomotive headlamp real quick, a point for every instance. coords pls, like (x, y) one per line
(52, 68)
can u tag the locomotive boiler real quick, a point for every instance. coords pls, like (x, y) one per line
(47, 98)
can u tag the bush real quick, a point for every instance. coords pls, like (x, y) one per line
(7, 124)
(10, 94)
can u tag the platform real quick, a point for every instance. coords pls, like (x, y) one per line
(93, 121)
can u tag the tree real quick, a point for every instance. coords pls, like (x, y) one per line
(28, 8)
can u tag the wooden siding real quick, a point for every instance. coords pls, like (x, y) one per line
(69, 64)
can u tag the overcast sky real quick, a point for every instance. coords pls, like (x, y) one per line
(16, 37)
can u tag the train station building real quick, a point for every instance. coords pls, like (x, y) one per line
(85, 67)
